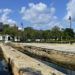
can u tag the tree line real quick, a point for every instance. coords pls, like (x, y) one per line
(29, 34)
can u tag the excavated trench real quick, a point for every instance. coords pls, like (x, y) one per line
(5, 67)
(64, 62)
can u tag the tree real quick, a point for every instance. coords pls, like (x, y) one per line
(56, 33)
(6, 29)
(46, 34)
(68, 33)
(29, 33)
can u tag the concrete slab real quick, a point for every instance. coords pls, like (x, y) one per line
(26, 65)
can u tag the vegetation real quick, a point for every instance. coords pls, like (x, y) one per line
(32, 35)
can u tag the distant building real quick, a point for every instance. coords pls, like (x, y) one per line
(1, 37)
(16, 39)
(37, 40)
(7, 38)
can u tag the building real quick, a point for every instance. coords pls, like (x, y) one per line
(7, 38)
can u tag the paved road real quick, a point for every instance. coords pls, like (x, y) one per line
(3, 70)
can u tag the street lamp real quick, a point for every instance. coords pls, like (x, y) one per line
(22, 31)
(70, 20)
(22, 25)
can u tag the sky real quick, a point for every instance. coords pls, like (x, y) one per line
(39, 14)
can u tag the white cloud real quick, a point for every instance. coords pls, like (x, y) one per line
(48, 26)
(38, 14)
(70, 10)
(4, 16)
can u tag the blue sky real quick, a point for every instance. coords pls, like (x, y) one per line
(40, 14)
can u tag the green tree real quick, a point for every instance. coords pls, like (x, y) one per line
(56, 33)
(46, 34)
(29, 33)
(68, 33)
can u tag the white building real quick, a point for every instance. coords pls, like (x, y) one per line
(16, 39)
(7, 38)
(1, 37)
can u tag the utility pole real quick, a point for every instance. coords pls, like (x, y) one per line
(22, 31)
(70, 21)
(22, 25)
